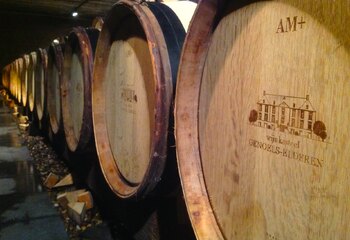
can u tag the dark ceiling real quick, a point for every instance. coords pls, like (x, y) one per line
(26, 25)
(57, 8)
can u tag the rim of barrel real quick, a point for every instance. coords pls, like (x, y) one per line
(12, 72)
(55, 57)
(120, 186)
(193, 57)
(6, 76)
(20, 66)
(40, 66)
(31, 80)
(12, 78)
(24, 80)
(80, 37)
(97, 23)
(14, 82)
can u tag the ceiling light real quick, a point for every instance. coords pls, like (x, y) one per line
(75, 10)
(56, 41)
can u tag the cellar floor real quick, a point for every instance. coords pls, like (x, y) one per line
(26, 211)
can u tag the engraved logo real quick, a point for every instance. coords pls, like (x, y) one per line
(129, 100)
(290, 24)
(128, 95)
(288, 114)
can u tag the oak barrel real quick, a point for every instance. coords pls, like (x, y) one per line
(12, 78)
(135, 68)
(5, 76)
(17, 76)
(97, 23)
(24, 80)
(54, 75)
(17, 73)
(40, 83)
(11, 84)
(262, 106)
(76, 88)
(31, 80)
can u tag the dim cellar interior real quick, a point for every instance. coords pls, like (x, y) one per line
(174, 119)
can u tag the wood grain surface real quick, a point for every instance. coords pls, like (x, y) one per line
(31, 80)
(271, 122)
(13, 79)
(132, 93)
(18, 77)
(76, 89)
(40, 79)
(24, 80)
(130, 106)
(5, 76)
(56, 103)
(55, 67)
(76, 94)
(97, 23)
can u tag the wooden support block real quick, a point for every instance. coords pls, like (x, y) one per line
(62, 200)
(76, 211)
(86, 198)
(66, 181)
(23, 119)
(51, 180)
(73, 196)
(23, 126)
(69, 197)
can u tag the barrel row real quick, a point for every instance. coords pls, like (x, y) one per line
(19, 78)
(130, 108)
(261, 110)
(112, 91)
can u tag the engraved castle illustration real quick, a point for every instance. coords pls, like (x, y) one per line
(288, 114)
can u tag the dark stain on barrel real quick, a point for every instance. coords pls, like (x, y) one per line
(184, 116)
(235, 178)
(196, 214)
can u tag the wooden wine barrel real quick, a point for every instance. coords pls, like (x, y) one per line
(5, 76)
(97, 23)
(13, 79)
(24, 80)
(31, 80)
(54, 75)
(76, 88)
(8, 76)
(17, 79)
(40, 83)
(261, 105)
(135, 69)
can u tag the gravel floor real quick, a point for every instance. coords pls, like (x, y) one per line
(47, 161)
